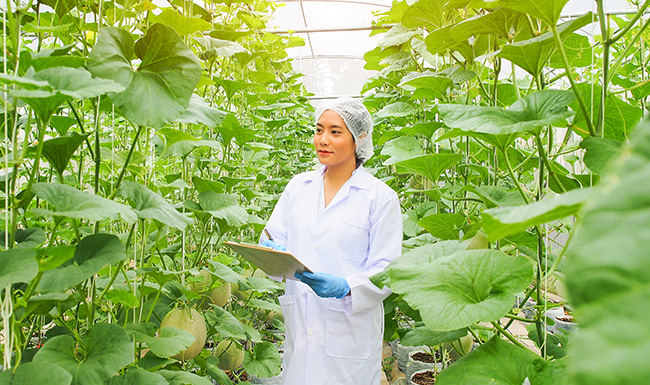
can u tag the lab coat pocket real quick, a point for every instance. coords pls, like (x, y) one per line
(288, 306)
(353, 238)
(347, 336)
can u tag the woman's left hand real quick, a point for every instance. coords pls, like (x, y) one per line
(325, 285)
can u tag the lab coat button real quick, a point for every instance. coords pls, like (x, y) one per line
(315, 245)
(309, 331)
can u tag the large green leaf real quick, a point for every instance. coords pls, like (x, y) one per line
(599, 152)
(430, 166)
(58, 151)
(70, 202)
(395, 110)
(218, 48)
(620, 116)
(17, 265)
(429, 14)
(63, 83)
(548, 11)
(92, 253)
(463, 288)
(527, 114)
(613, 332)
(228, 325)
(400, 149)
(423, 336)
(265, 360)
(608, 254)
(608, 276)
(160, 89)
(174, 377)
(104, 351)
(534, 54)
(495, 363)
(171, 341)
(183, 25)
(397, 35)
(32, 373)
(138, 376)
(223, 206)
(199, 112)
(443, 226)
(501, 222)
(149, 205)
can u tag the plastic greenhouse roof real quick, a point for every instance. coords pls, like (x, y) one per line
(337, 35)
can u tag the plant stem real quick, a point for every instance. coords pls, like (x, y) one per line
(508, 335)
(574, 87)
(126, 163)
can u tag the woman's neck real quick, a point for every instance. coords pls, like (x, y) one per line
(339, 174)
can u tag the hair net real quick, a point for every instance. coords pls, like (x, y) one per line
(357, 119)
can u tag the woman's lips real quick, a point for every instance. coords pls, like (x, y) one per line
(324, 152)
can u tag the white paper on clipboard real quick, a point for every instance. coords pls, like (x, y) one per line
(273, 262)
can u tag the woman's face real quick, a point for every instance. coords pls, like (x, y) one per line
(333, 141)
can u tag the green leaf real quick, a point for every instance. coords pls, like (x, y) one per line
(430, 166)
(171, 341)
(31, 373)
(183, 378)
(265, 360)
(223, 206)
(436, 83)
(461, 289)
(429, 14)
(578, 50)
(534, 54)
(402, 148)
(395, 110)
(620, 116)
(548, 11)
(423, 336)
(149, 205)
(92, 253)
(182, 25)
(543, 372)
(77, 82)
(105, 350)
(160, 89)
(608, 255)
(199, 112)
(17, 265)
(227, 324)
(58, 151)
(62, 7)
(501, 222)
(397, 35)
(123, 297)
(443, 226)
(72, 203)
(529, 113)
(599, 152)
(614, 332)
(495, 363)
(218, 48)
(138, 376)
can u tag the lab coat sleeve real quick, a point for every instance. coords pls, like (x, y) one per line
(385, 245)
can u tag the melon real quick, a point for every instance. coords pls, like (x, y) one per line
(221, 294)
(191, 320)
(230, 355)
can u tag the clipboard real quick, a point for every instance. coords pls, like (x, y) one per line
(274, 263)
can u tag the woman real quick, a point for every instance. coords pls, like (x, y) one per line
(346, 225)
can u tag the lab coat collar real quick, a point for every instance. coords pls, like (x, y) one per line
(360, 178)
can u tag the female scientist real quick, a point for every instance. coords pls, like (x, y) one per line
(346, 225)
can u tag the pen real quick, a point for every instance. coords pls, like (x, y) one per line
(268, 235)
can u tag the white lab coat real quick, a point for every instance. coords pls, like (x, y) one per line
(336, 341)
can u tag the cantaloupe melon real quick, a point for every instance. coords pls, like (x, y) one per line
(191, 320)
(230, 355)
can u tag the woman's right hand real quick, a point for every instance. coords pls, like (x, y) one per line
(273, 245)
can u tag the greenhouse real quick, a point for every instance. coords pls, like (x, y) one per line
(306, 192)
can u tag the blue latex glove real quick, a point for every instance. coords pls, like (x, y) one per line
(325, 285)
(273, 245)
